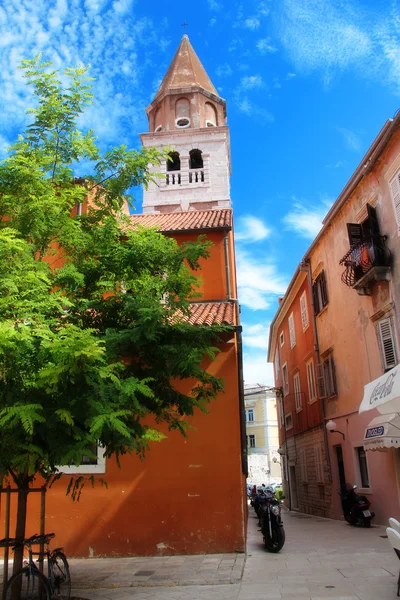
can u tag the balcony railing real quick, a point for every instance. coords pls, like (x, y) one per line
(191, 177)
(366, 262)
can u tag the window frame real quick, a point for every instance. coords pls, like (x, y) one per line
(285, 380)
(305, 321)
(288, 415)
(360, 471)
(292, 330)
(320, 292)
(281, 338)
(251, 438)
(297, 391)
(314, 398)
(386, 365)
(330, 379)
(248, 411)
(100, 467)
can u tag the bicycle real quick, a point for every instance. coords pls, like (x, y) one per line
(30, 584)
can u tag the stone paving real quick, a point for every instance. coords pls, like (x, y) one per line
(321, 560)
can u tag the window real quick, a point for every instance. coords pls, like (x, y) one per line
(249, 415)
(280, 411)
(182, 113)
(304, 311)
(328, 385)
(195, 159)
(288, 421)
(285, 380)
(303, 466)
(394, 186)
(277, 362)
(363, 467)
(312, 392)
(251, 441)
(320, 294)
(297, 392)
(89, 464)
(386, 343)
(319, 465)
(174, 162)
(281, 338)
(292, 333)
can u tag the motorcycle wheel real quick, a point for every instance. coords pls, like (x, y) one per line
(275, 543)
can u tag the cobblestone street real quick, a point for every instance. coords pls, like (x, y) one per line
(321, 559)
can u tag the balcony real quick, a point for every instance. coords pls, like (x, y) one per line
(193, 177)
(366, 263)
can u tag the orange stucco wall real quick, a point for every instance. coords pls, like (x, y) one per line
(188, 495)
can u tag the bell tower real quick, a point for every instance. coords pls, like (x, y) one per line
(188, 115)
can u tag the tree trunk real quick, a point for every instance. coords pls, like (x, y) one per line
(21, 523)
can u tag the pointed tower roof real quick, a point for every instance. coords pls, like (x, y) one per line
(185, 71)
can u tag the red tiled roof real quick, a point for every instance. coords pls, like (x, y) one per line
(211, 313)
(191, 219)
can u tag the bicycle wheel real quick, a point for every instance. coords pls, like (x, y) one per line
(59, 575)
(27, 584)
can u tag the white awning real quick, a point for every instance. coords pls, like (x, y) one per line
(383, 432)
(383, 393)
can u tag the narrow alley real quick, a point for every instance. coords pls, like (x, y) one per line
(321, 559)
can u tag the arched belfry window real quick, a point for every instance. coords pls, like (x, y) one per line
(182, 113)
(211, 115)
(174, 162)
(195, 159)
(196, 173)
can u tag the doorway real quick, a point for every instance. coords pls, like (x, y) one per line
(340, 464)
(293, 487)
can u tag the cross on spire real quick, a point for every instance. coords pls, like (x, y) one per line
(184, 25)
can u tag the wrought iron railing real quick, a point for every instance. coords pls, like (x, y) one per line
(362, 257)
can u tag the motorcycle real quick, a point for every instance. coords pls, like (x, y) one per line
(356, 507)
(269, 513)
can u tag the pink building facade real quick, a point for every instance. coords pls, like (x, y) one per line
(354, 265)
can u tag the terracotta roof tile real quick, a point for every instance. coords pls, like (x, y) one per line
(186, 220)
(211, 313)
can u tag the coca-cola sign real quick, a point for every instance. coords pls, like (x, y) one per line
(382, 389)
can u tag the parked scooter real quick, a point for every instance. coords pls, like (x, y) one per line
(356, 507)
(269, 514)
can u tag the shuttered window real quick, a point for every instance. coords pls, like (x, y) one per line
(285, 379)
(304, 311)
(312, 392)
(386, 343)
(320, 293)
(297, 391)
(292, 333)
(395, 193)
(319, 465)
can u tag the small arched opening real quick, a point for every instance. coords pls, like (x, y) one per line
(173, 165)
(196, 166)
(211, 115)
(182, 113)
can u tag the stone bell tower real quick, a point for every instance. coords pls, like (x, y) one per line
(188, 115)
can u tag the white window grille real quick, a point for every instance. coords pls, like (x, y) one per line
(312, 392)
(386, 343)
(297, 392)
(394, 186)
(292, 333)
(285, 377)
(304, 310)
(89, 464)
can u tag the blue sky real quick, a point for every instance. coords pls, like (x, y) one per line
(308, 84)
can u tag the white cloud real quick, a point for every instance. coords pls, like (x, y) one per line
(256, 336)
(305, 219)
(259, 282)
(352, 140)
(256, 369)
(265, 46)
(250, 82)
(252, 23)
(224, 70)
(212, 22)
(251, 229)
(214, 5)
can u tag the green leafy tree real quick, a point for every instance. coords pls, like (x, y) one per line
(93, 332)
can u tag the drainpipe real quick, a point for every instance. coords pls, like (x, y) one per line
(306, 266)
(239, 343)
